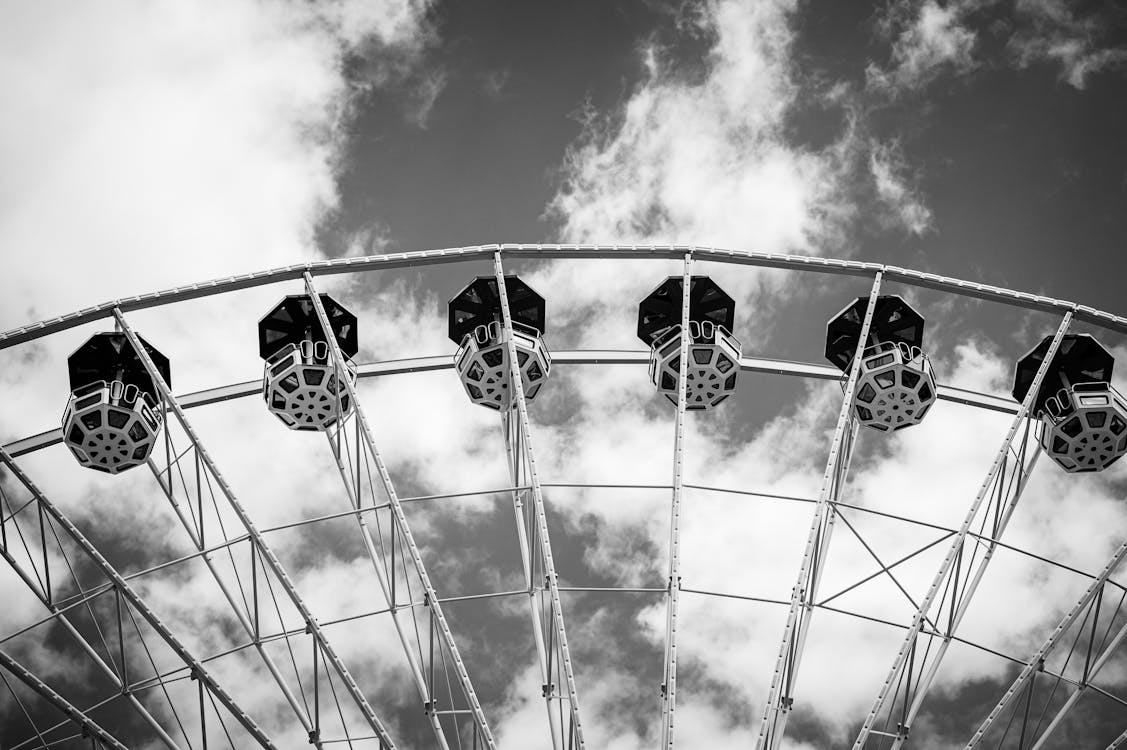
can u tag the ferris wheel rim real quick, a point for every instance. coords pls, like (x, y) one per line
(345, 266)
(540, 251)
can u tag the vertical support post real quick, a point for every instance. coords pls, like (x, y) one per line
(88, 725)
(1000, 489)
(368, 453)
(673, 582)
(780, 700)
(271, 561)
(534, 520)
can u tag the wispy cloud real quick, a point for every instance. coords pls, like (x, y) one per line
(927, 39)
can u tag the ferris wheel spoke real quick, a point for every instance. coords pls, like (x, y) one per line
(183, 479)
(208, 485)
(673, 581)
(1092, 632)
(559, 689)
(780, 700)
(399, 567)
(88, 725)
(903, 692)
(130, 605)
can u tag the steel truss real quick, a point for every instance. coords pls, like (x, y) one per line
(35, 570)
(780, 700)
(265, 566)
(34, 533)
(99, 738)
(917, 662)
(448, 702)
(1086, 629)
(560, 694)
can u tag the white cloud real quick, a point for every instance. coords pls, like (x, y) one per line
(929, 39)
(1059, 32)
(895, 191)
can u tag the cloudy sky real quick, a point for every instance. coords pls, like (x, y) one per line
(147, 145)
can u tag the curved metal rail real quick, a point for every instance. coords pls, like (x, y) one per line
(829, 505)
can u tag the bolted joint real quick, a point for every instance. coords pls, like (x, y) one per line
(902, 731)
(314, 736)
(786, 703)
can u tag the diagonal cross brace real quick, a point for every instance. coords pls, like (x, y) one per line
(1029, 672)
(41, 589)
(780, 700)
(993, 489)
(267, 554)
(88, 725)
(444, 632)
(195, 534)
(133, 598)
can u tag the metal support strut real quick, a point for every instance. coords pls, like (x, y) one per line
(206, 465)
(1093, 595)
(780, 700)
(561, 700)
(914, 668)
(194, 665)
(673, 582)
(87, 724)
(382, 556)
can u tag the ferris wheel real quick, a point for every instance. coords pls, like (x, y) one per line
(151, 684)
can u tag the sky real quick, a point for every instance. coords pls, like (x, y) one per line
(151, 145)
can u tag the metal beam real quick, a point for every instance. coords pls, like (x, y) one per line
(673, 581)
(166, 481)
(914, 668)
(367, 454)
(1037, 661)
(205, 464)
(780, 700)
(987, 401)
(976, 290)
(138, 604)
(536, 554)
(85, 723)
(40, 586)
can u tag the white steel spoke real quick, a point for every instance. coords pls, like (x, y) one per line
(1085, 610)
(424, 663)
(40, 585)
(139, 606)
(780, 700)
(87, 725)
(195, 528)
(673, 581)
(261, 550)
(560, 693)
(913, 671)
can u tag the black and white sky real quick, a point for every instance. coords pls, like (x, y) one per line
(146, 145)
